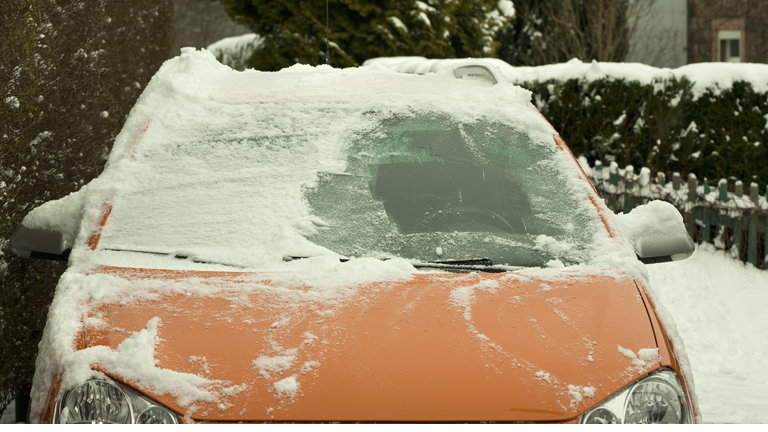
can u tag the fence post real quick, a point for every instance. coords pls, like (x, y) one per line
(613, 179)
(707, 220)
(738, 189)
(752, 243)
(676, 181)
(692, 184)
(723, 186)
(598, 171)
(765, 239)
(629, 182)
(753, 192)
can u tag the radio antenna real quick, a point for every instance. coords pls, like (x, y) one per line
(327, 50)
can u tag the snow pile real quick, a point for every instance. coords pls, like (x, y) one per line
(712, 76)
(286, 387)
(541, 375)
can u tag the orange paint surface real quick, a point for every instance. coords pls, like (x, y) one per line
(93, 240)
(402, 351)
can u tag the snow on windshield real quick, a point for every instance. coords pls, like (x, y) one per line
(214, 165)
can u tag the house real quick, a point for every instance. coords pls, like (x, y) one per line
(671, 33)
(728, 31)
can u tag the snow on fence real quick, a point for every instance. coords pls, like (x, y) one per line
(735, 221)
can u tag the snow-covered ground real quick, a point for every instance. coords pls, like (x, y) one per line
(720, 307)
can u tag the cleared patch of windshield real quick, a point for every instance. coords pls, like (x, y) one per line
(429, 189)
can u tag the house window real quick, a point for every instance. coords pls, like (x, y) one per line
(729, 46)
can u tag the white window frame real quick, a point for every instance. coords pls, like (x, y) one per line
(729, 35)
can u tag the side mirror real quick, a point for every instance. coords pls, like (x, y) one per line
(49, 231)
(657, 233)
(40, 243)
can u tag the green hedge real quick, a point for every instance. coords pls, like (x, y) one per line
(71, 71)
(721, 134)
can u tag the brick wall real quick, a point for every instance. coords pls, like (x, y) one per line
(707, 17)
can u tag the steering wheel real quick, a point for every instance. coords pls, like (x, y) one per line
(457, 217)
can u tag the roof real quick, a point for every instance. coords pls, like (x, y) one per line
(714, 76)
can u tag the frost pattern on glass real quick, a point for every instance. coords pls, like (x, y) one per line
(421, 184)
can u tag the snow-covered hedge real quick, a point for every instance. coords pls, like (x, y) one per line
(709, 119)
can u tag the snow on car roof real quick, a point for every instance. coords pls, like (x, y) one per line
(713, 76)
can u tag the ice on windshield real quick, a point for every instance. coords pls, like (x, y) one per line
(431, 189)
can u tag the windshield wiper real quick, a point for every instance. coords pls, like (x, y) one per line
(177, 256)
(289, 258)
(470, 262)
(480, 264)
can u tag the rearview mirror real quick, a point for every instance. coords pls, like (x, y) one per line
(657, 233)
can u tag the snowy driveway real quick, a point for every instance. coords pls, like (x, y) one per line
(721, 311)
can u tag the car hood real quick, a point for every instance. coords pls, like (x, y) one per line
(439, 347)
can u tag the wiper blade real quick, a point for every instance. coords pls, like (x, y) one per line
(177, 256)
(289, 258)
(480, 264)
(470, 262)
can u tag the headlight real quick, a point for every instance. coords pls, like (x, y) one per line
(656, 398)
(103, 400)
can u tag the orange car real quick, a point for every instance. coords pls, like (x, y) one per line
(319, 244)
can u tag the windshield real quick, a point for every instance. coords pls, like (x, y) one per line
(429, 189)
(252, 185)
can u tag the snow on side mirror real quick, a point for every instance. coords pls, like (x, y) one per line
(39, 243)
(657, 232)
(49, 231)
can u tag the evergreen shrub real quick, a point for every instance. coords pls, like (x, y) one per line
(71, 72)
(295, 32)
(722, 133)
